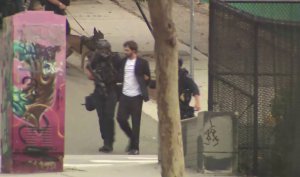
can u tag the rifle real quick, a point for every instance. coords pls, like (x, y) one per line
(99, 81)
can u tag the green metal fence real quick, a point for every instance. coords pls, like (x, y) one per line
(276, 11)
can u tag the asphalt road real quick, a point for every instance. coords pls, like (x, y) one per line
(82, 130)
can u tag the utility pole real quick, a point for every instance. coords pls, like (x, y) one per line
(192, 38)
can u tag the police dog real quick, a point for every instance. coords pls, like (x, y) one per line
(83, 45)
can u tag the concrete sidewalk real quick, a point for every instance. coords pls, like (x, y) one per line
(109, 166)
(119, 25)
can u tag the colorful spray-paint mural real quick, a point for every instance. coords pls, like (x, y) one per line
(34, 131)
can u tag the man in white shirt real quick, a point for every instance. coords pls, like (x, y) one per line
(135, 76)
(131, 86)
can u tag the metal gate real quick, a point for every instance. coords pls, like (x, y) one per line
(252, 72)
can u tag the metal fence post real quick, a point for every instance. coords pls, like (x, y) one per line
(256, 94)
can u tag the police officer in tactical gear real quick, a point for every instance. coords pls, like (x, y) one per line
(187, 89)
(102, 69)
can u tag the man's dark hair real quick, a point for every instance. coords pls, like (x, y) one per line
(132, 45)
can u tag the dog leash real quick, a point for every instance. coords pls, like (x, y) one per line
(144, 16)
(69, 13)
(77, 32)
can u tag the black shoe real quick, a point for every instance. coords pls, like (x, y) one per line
(106, 149)
(134, 152)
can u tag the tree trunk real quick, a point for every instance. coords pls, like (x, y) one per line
(166, 54)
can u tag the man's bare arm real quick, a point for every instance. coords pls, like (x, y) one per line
(197, 106)
(58, 4)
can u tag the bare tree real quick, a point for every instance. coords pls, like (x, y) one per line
(166, 54)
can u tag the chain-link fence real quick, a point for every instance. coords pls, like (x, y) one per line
(272, 10)
(254, 58)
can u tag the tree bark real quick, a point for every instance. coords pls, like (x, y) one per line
(166, 54)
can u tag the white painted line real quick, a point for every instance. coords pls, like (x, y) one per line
(150, 108)
(109, 157)
(85, 165)
(124, 161)
(142, 158)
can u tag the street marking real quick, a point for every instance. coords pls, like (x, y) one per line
(108, 157)
(85, 165)
(142, 158)
(125, 161)
(150, 108)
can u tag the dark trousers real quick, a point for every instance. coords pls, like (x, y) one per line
(131, 106)
(106, 112)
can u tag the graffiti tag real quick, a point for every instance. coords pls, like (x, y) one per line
(210, 136)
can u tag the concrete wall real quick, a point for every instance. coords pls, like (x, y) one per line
(210, 143)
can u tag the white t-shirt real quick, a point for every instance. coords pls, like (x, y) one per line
(131, 86)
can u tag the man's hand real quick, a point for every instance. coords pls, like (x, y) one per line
(146, 77)
(90, 77)
(197, 107)
(62, 6)
(89, 74)
(58, 4)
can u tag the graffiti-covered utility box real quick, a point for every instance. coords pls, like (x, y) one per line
(33, 92)
(210, 143)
